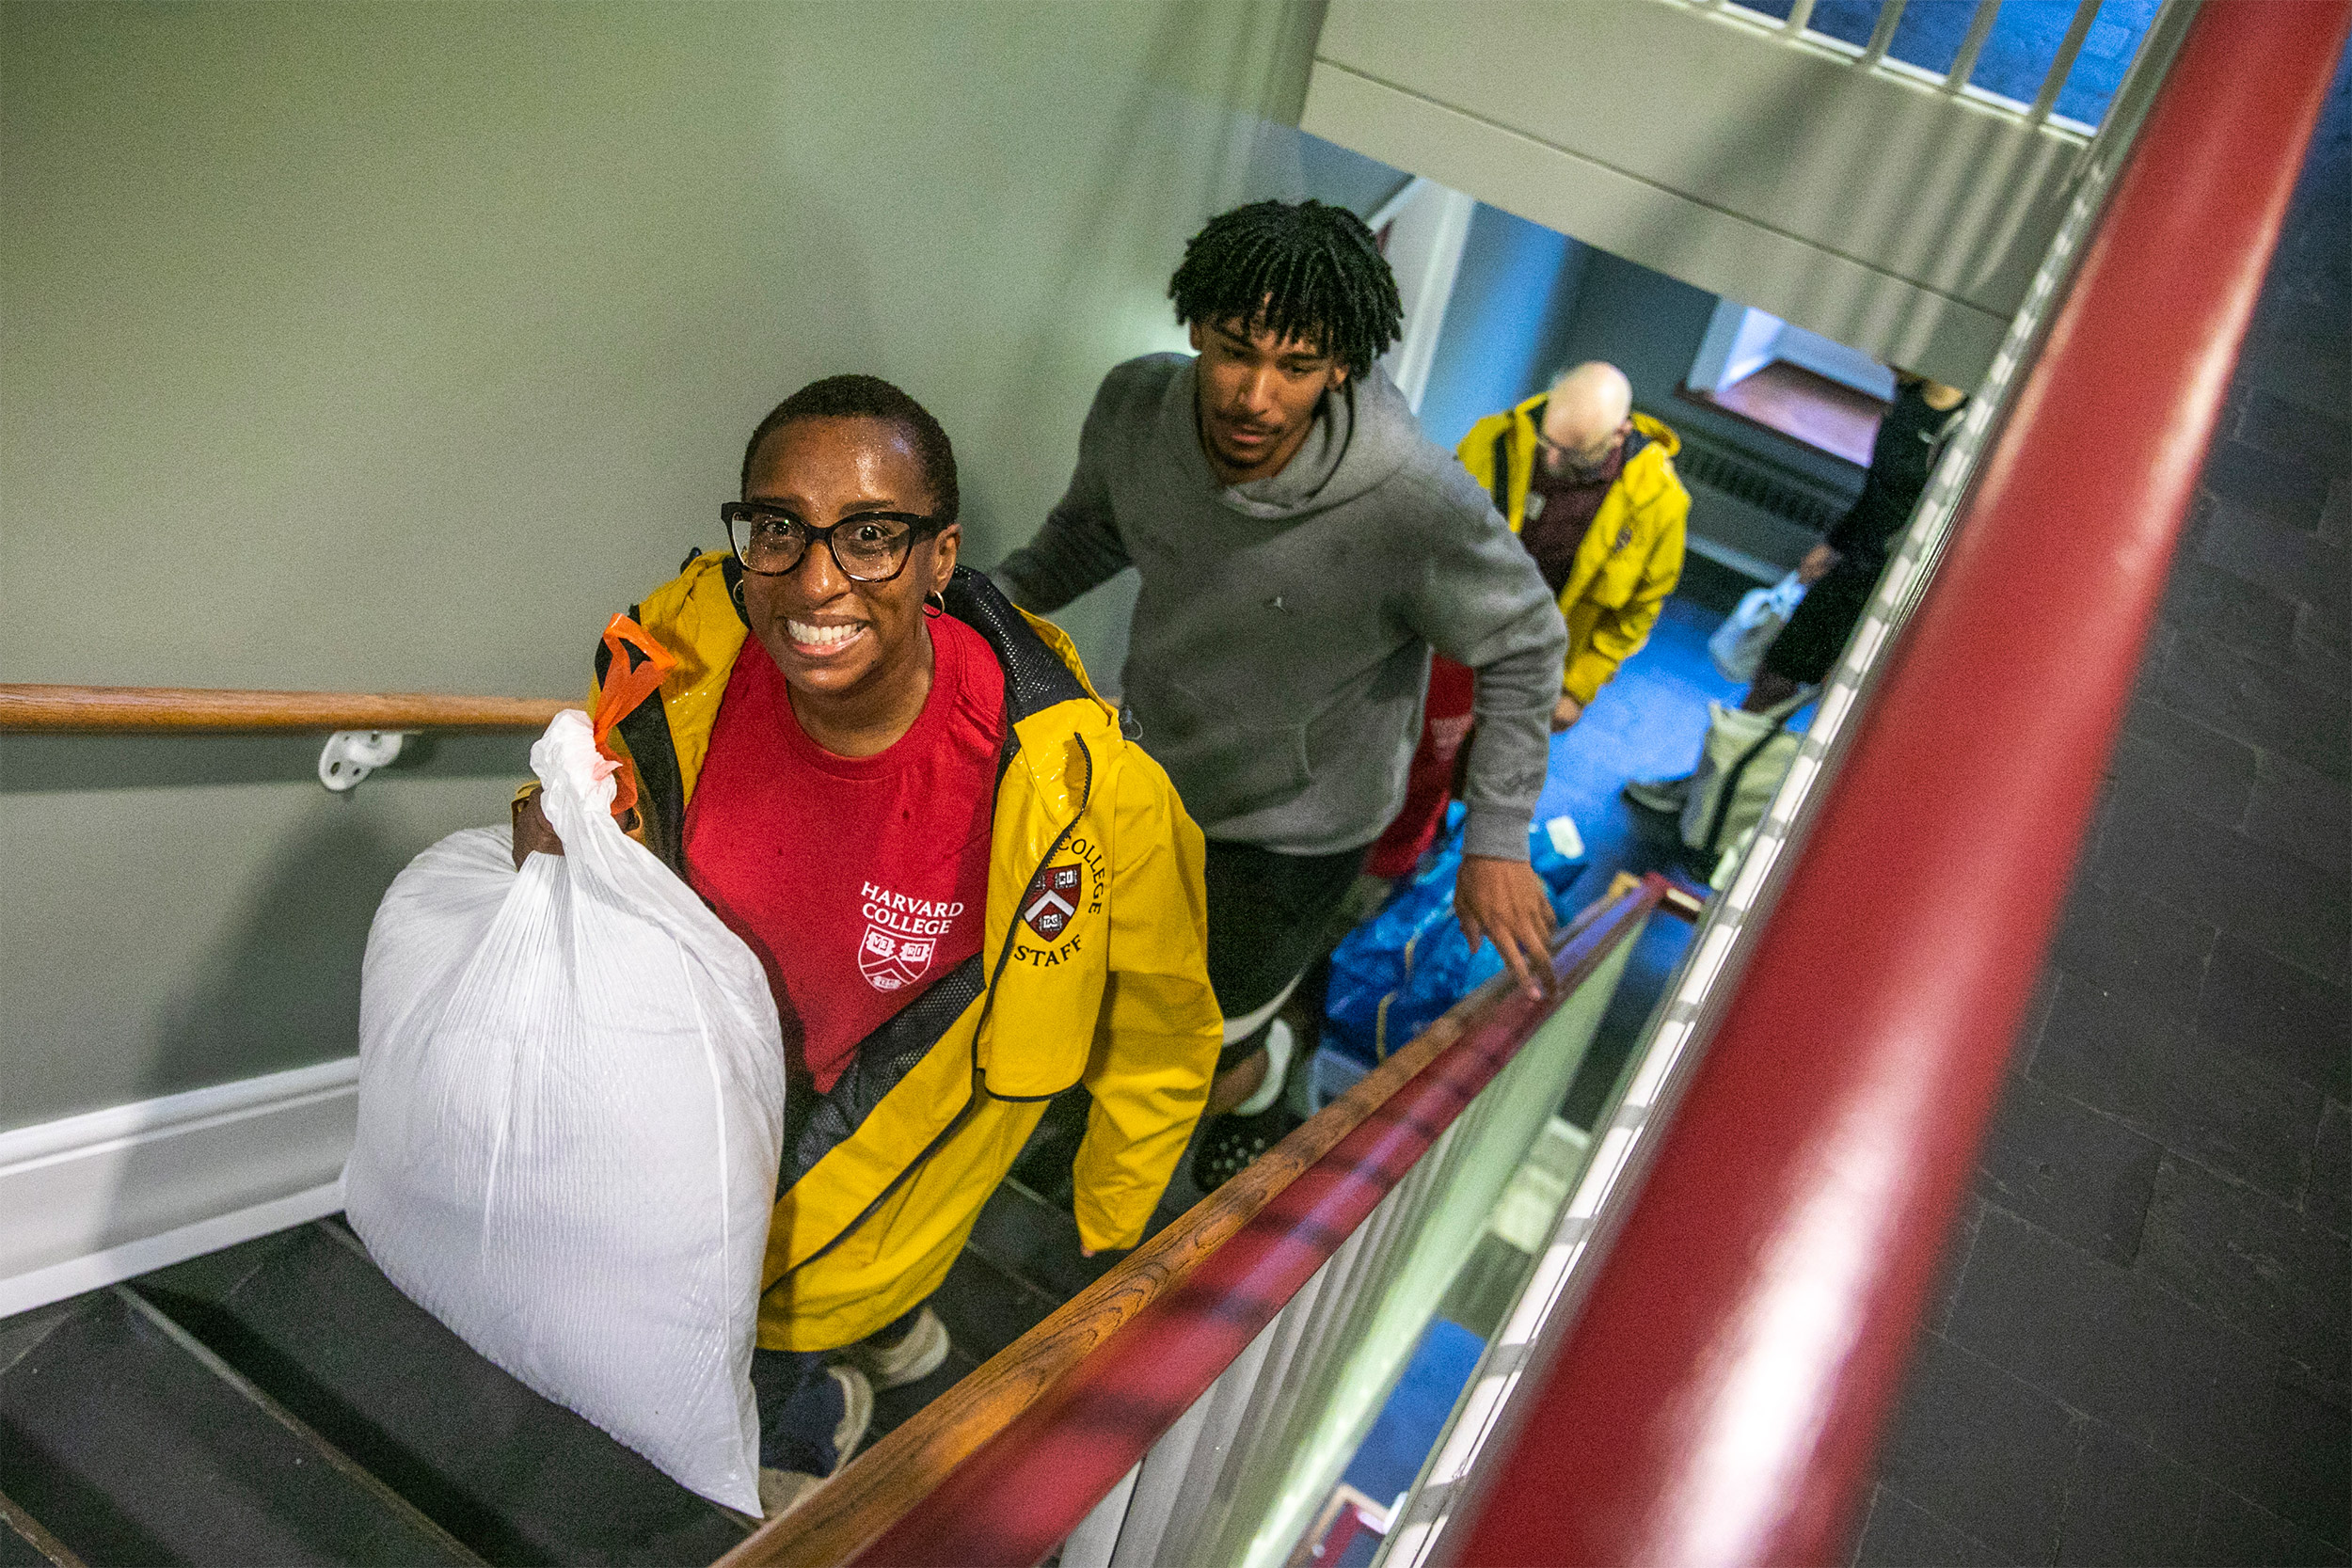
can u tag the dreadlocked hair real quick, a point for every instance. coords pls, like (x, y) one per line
(1297, 270)
(869, 397)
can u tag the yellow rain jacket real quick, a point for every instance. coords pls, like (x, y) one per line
(1632, 557)
(1106, 983)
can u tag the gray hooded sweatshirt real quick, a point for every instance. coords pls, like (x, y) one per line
(1280, 651)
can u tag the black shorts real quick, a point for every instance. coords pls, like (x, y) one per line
(1269, 918)
(1809, 644)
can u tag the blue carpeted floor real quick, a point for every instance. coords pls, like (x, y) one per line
(1410, 1423)
(1645, 723)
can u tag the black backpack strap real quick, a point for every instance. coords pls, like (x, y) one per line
(1780, 715)
(883, 1061)
(661, 786)
(1499, 487)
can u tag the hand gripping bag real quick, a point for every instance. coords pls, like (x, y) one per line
(571, 1098)
(1737, 645)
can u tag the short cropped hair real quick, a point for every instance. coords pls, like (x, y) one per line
(1297, 270)
(869, 397)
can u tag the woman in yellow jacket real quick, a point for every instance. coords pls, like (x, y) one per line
(1630, 557)
(970, 890)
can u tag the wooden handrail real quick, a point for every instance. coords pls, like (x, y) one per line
(883, 1483)
(1033, 1482)
(160, 710)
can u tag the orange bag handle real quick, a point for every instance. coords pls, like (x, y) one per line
(627, 684)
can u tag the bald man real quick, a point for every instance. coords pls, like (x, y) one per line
(1589, 487)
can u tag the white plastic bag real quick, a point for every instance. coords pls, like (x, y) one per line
(571, 1109)
(1737, 645)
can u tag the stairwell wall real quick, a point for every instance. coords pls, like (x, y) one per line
(388, 347)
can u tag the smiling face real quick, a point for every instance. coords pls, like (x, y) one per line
(852, 651)
(1257, 397)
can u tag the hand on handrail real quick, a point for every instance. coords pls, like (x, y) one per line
(1506, 902)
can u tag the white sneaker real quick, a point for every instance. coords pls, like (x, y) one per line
(1666, 795)
(857, 1414)
(911, 1359)
(782, 1491)
(1279, 1046)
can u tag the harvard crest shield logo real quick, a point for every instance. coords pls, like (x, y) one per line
(893, 962)
(1052, 900)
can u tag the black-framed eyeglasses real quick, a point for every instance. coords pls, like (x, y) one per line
(868, 546)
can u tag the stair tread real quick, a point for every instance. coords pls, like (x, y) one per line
(128, 1449)
(25, 1544)
(520, 1479)
(17, 1552)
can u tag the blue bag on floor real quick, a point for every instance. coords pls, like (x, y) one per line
(1373, 961)
(1398, 972)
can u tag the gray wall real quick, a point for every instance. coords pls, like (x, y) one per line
(1506, 325)
(1346, 179)
(392, 347)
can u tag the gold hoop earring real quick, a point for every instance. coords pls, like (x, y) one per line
(934, 604)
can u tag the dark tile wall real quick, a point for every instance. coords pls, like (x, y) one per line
(2143, 1353)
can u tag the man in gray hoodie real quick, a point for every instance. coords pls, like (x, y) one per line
(1302, 547)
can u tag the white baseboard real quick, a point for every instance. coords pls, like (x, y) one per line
(90, 1200)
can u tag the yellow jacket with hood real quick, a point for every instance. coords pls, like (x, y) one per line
(1632, 554)
(886, 1173)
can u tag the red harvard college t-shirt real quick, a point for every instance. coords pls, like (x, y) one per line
(858, 880)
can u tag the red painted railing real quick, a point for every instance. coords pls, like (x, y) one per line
(1029, 1485)
(1720, 1397)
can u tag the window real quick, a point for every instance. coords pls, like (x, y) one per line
(1760, 369)
(2021, 44)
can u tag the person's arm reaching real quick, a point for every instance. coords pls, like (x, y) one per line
(1483, 604)
(1080, 545)
(1497, 895)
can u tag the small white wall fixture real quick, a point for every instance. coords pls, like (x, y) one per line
(90, 1200)
(1751, 348)
(1710, 367)
(351, 755)
(1823, 357)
